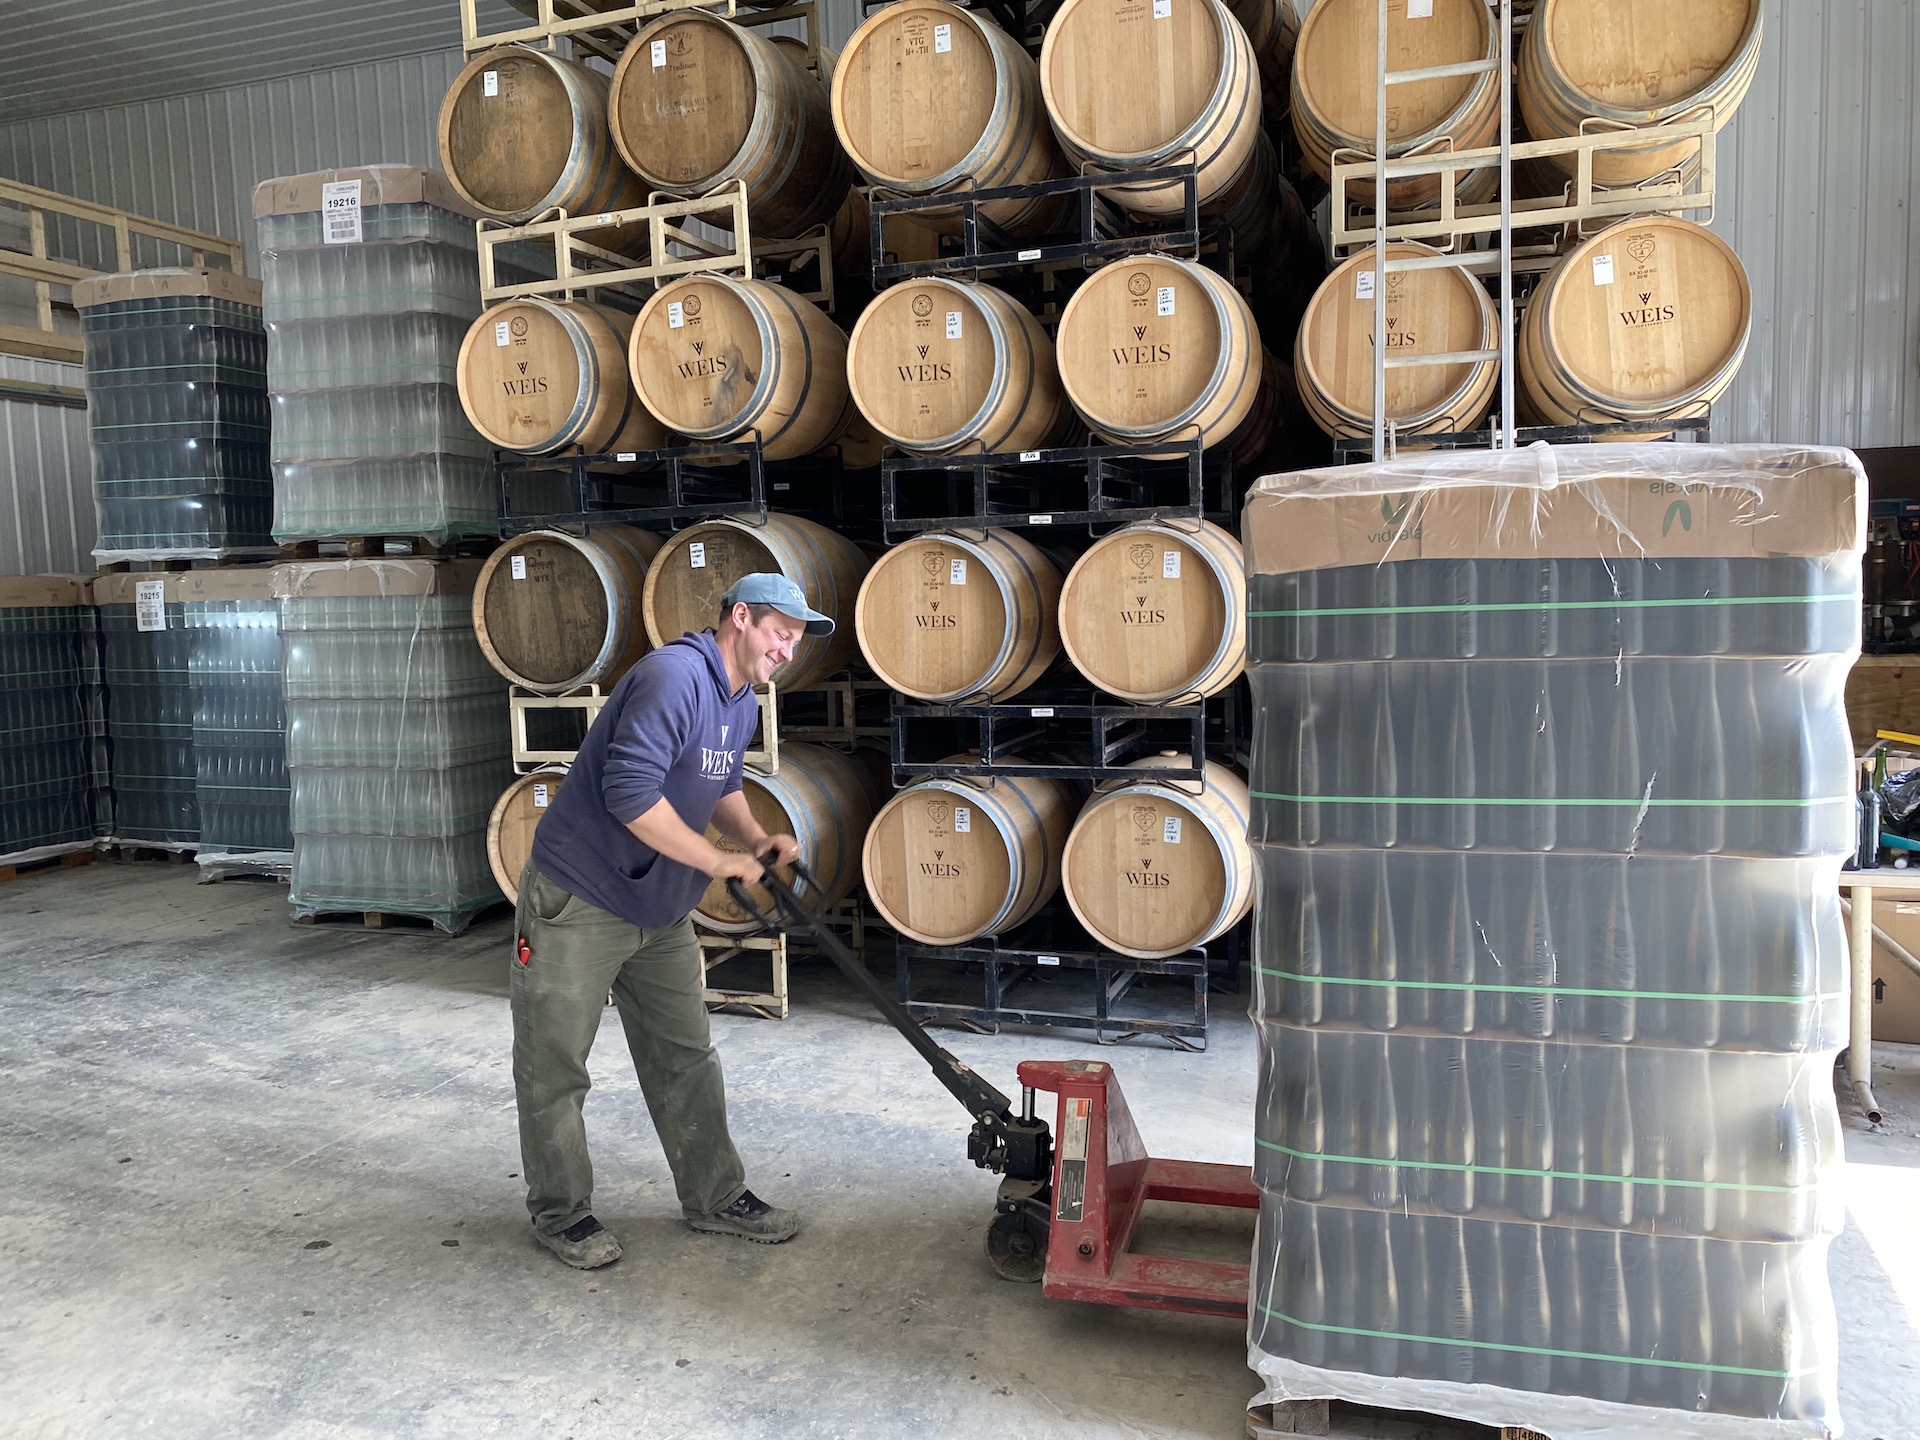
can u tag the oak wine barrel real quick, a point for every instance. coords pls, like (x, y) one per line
(1630, 64)
(1648, 320)
(1335, 90)
(939, 366)
(523, 131)
(1159, 866)
(698, 102)
(542, 376)
(554, 611)
(1156, 348)
(1156, 613)
(824, 799)
(697, 565)
(719, 358)
(947, 617)
(1273, 30)
(929, 98)
(947, 862)
(515, 816)
(1435, 311)
(1130, 84)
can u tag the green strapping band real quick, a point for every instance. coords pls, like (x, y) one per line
(1457, 1169)
(1634, 801)
(1287, 1319)
(1505, 607)
(1540, 989)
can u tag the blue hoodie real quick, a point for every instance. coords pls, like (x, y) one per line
(670, 729)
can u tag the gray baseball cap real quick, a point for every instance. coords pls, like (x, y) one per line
(767, 587)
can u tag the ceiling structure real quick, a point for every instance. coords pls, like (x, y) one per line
(63, 55)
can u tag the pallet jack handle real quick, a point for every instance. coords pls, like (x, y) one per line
(1018, 1146)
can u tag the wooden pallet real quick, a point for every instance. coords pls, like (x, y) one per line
(20, 869)
(1315, 1417)
(167, 853)
(179, 564)
(386, 920)
(605, 29)
(374, 547)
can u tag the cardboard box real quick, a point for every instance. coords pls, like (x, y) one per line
(43, 592)
(123, 587)
(228, 582)
(379, 185)
(163, 284)
(1561, 502)
(398, 576)
(1896, 989)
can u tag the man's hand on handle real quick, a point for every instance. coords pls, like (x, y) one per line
(736, 865)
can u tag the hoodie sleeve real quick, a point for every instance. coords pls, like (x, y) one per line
(652, 732)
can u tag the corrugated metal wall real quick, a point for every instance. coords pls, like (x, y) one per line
(1821, 169)
(46, 498)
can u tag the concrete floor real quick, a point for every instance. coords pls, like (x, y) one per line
(260, 1180)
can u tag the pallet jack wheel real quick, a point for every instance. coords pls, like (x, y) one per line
(1017, 1246)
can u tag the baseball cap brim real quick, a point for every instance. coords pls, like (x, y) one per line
(817, 624)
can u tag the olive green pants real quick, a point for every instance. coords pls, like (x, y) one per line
(577, 953)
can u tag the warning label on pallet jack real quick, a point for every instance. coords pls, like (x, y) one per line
(1073, 1161)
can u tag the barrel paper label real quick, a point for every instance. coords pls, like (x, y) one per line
(942, 39)
(1419, 9)
(340, 212)
(953, 324)
(1162, 9)
(519, 563)
(490, 84)
(539, 797)
(697, 554)
(501, 335)
(1169, 564)
(1163, 300)
(962, 820)
(957, 570)
(1603, 269)
(1363, 285)
(676, 314)
(150, 604)
(659, 53)
(1170, 831)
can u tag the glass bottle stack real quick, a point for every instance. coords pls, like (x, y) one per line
(239, 716)
(1552, 788)
(176, 413)
(371, 280)
(46, 782)
(147, 670)
(396, 738)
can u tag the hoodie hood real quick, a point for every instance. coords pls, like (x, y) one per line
(708, 645)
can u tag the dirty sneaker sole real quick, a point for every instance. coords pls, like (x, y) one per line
(722, 1227)
(596, 1252)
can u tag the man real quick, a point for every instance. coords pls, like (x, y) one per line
(618, 863)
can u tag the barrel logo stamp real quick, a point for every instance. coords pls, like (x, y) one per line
(923, 305)
(522, 385)
(690, 307)
(1648, 312)
(1139, 283)
(1641, 247)
(1141, 556)
(1144, 816)
(1145, 877)
(939, 812)
(517, 327)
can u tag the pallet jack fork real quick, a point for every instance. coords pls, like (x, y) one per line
(1066, 1211)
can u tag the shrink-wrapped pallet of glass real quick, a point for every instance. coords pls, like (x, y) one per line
(1551, 792)
(176, 413)
(148, 678)
(47, 628)
(239, 721)
(396, 738)
(371, 280)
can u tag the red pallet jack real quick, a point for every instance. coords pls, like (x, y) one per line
(1067, 1209)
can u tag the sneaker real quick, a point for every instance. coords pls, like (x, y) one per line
(751, 1218)
(585, 1244)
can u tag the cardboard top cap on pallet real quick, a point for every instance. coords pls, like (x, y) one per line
(312, 579)
(123, 586)
(228, 582)
(379, 185)
(166, 283)
(42, 592)
(1561, 502)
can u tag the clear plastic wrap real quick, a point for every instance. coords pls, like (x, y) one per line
(47, 626)
(147, 675)
(1552, 785)
(396, 738)
(364, 328)
(239, 714)
(177, 413)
